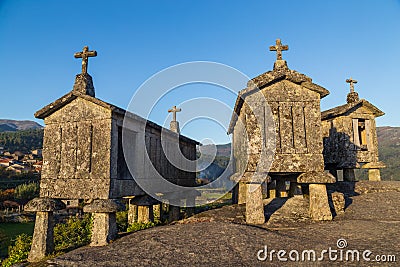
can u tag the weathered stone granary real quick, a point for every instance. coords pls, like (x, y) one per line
(350, 139)
(294, 101)
(83, 159)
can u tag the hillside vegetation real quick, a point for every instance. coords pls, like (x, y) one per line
(389, 152)
(23, 141)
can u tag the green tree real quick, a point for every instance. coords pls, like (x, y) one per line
(23, 141)
(26, 192)
(19, 251)
(73, 233)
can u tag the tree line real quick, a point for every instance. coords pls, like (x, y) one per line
(23, 141)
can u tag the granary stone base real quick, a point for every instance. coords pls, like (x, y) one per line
(272, 193)
(242, 193)
(157, 212)
(293, 189)
(281, 188)
(319, 205)
(338, 201)
(348, 175)
(132, 213)
(374, 174)
(104, 229)
(190, 203)
(254, 204)
(42, 241)
(174, 213)
(145, 214)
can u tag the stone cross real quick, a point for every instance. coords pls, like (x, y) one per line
(85, 54)
(351, 82)
(174, 110)
(278, 47)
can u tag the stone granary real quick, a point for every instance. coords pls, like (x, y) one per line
(294, 101)
(350, 139)
(84, 158)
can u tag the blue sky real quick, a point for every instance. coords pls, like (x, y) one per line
(328, 41)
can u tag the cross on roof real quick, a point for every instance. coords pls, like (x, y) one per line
(278, 47)
(85, 54)
(351, 82)
(174, 110)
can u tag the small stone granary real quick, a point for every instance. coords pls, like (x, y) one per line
(294, 101)
(350, 139)
(83, 159)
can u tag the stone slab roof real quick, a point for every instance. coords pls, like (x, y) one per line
(64, 100)
(280, 72)
(349, 107)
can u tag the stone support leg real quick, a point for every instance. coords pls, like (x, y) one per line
(272, 193)
(145, 214)
(190, 205)
(104, 229)
(348, 175)
(157, 212)
(254, 204)
(164, 212)
(132, 213)
(281, 188)
(174, 213)
(264, 187)
(242, 193)
(334, 173)
(235, 194)
(42, 241)
(319, 205)
(374, 174)
(293, 189)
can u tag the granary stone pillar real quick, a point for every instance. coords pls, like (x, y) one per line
(254, 197)
(374, 173)
(319, 204)
(294, 187)
(239, 196)
(318, 195)
(348, 175)
(242, 192)
(145, 214)
(144, 205)
(157, 210)
(334, 172)
(174, 213)
(254, 204)
(43, 235)
(272, 189)
(281, 188)
(177, 197)
(190, 204)
(132, 213)
(104, 228)
(164, 210)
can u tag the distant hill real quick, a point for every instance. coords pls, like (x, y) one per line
(218, 165)
(389, 151)
(222, 150)
(15, 125)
